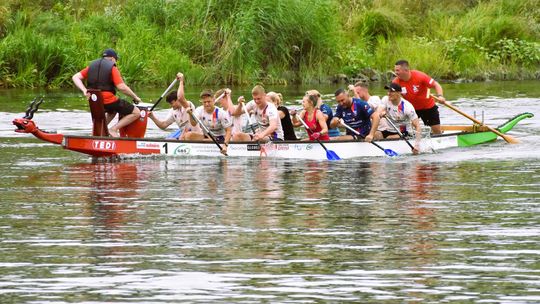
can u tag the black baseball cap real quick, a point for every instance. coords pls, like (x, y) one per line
(109, 53)
(393, 87)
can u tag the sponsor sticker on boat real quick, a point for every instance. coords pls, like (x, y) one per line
(108, 145)
(148, 145)
(182, 150)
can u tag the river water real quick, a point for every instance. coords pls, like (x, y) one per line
(461, 225)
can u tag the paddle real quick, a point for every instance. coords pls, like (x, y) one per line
(164, 93)
(207, 131)
(249, 119)
(330, 155)
(398, 132)
(507, 138)
(252, 127)
(388, 152)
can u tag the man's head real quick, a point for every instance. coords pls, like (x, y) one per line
(259, 95)
(222, 100)
(207, 100)
(394, 92)
(109, 53)
(172, 99)
(401, 69)
(361, 88)
(342, 98)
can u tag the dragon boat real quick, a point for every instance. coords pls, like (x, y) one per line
(133, 142)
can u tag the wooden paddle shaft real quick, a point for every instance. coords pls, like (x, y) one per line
(398, 131)
(164, 93)
(206, 130)
(507, 138)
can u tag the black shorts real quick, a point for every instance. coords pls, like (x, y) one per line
(386, 133)
(120, 106)
(220, 139)
(430, 117)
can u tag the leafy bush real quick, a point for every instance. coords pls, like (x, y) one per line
(383, 22)
(515, 51)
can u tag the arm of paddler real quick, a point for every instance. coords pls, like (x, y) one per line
(375, 118)
(127, 91)
(438, 88)
(322, 122)
(180, 95)
(271, 129)
(78, 81)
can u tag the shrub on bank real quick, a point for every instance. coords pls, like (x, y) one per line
(43, 43)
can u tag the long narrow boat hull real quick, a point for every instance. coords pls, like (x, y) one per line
(99, 146)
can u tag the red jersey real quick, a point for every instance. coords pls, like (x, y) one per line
(314, 126)
(416, 90)
(108, 97)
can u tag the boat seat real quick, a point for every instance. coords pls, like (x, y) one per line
(99, 120)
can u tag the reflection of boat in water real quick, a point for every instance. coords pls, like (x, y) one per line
(134, 143)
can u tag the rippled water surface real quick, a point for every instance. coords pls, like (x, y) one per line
(461, 225)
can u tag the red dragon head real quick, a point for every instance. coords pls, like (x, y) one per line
(25, 125)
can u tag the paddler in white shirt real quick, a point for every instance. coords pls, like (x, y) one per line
(265, 115)
(239, 118)
(216, 120)
(361, 90)
(178, 112)
(402, 114)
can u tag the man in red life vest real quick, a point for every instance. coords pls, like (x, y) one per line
(415, 87)
(103, 74)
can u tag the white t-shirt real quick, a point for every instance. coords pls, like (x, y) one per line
(239, 123)
(374, 102)
(216, 122)
(263, 117)
(402, 115)
(181, 117)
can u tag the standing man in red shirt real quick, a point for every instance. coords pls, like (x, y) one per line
(415, 87)
(103, 74)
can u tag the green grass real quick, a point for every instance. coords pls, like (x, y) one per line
(269, 41)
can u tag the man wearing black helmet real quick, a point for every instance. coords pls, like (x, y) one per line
(103, 74)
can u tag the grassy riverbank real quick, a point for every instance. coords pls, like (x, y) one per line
(44, 42)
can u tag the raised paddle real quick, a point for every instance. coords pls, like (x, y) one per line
(207, 131)
(252, 128)
(388, 152)
(164, 93)
(507, 138)
(398, 131)
(330, 155)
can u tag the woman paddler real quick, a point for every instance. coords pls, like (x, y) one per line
(313, 119)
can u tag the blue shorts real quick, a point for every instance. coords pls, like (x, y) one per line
(333, 132)
(272, 137)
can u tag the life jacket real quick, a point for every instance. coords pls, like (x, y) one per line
(99, 75)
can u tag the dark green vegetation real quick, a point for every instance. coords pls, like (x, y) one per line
(44, 42)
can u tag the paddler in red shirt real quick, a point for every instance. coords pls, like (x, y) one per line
(415, 87)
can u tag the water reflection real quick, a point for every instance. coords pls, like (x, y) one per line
(250, 230)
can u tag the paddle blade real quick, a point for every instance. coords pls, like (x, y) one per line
(331, 155)
(390, 152)
(510, 139)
